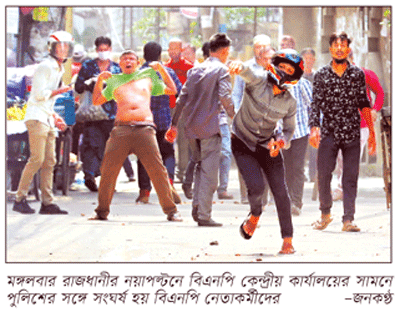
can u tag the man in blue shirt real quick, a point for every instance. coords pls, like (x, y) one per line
(160, 107)
(294, 157)
(262, 54)
(96, 132)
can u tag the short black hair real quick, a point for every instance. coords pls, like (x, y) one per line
(152, 51)
(102, 40)
(342, 36)
(218, 41)
(206, 49)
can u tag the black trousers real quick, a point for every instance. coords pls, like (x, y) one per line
(95, 136)
(327, 155)
(252, 167)
(168, 156)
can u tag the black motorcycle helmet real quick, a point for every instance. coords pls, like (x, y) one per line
(291, 57)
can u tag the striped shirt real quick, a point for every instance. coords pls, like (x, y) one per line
(302, 92)
(160, 105)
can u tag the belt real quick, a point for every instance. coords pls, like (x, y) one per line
(134, 123)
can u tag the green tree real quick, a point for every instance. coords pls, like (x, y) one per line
(146, 28)
(244, 15)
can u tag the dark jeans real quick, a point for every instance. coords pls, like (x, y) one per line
(294, 159)
(128, 168)
(77, 130)
(251, 166)
(327, 155)
(168, 157)
(95, 136)
(188, 177)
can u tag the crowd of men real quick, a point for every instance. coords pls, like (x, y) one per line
(266, 113)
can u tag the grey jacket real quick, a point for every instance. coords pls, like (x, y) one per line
(256, 119)
(207, 89)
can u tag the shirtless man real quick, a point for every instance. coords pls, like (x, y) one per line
(133, 130)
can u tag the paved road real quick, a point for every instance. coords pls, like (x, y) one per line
(141, 233)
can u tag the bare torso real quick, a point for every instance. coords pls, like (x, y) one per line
(133, 101)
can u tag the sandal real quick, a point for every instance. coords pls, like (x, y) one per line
(323, 223)
(348, 226)
(97, 218)
(287, 249)
(249, 226)
(174, 217)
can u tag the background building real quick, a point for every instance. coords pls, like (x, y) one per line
(132, 26)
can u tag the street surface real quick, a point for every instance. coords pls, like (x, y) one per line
(141, 232)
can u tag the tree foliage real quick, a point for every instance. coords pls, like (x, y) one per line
(146, 27)
(245, 15)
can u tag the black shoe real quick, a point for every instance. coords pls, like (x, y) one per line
(23, 207)
(210, 223)
(187, 190)
(194, 213)
(51, 209)
(296, 211)
(225, 195)
(91, 184)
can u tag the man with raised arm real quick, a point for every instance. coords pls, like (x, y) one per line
(255, 144)
(134, 130)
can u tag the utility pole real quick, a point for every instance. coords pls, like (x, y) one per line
(131, 29)
(255, 22)
(123, 26)
(158, 20)
(69, 28)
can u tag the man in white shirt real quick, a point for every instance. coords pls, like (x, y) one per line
(41, 120)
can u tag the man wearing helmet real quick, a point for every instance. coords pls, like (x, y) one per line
(255, 145)
(61, 46)
(262, 56)
(40, 121)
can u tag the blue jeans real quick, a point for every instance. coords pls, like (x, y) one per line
(327, 155)
(128, 167)
(168, 157)
(225, 160)
(251, 166)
